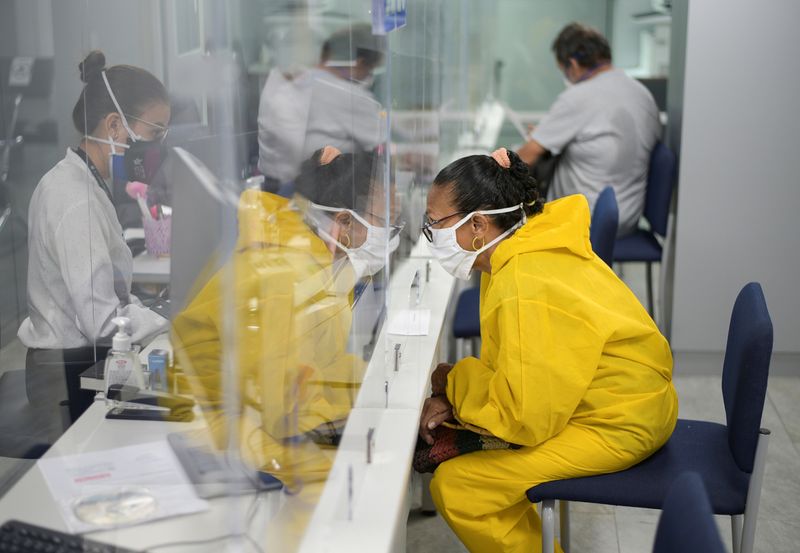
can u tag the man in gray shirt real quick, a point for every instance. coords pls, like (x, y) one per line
(603, 127)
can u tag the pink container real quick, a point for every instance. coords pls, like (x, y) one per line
(157, 235)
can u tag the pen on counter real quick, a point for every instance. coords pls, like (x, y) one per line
(350, 492)
(370, 439)
(396, 357)
(415, 295)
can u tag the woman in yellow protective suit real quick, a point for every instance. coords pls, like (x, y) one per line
(286, 293)
(571, 367)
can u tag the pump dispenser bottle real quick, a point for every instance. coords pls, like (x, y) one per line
(122, 365)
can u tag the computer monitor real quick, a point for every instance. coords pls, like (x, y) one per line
(204, 226)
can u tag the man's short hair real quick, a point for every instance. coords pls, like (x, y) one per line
(352, 43)
(582, 43)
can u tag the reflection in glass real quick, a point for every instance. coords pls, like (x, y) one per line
(303, 110)
(296, 272)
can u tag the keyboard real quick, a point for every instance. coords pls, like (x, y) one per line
(211, 473)
(21, 537)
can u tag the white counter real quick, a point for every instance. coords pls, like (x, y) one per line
(149, 269)
(366, 513)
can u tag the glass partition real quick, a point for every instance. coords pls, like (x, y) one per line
(219, 203)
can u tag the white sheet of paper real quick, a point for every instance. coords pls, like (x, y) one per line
(411, 322)
(151, 467)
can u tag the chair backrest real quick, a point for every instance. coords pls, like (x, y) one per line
(687, 523)
(745, 372)
(660, 178)
(605, 220)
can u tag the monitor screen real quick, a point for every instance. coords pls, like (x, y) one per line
(204, 226)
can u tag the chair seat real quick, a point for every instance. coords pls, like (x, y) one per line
(696, 446)
(467, 320)
(642, 245)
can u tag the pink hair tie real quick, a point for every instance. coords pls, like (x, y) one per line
(329, 153)
(500, 155)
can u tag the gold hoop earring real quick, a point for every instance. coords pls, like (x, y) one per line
(348, 241)
(483, 243)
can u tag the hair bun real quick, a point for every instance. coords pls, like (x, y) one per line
(518, 168)
(522, 174)
(92, 65)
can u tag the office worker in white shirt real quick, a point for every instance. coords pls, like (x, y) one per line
(603, 127)
(330, 104)
(80, 268)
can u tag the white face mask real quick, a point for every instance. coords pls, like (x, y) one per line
(369, 257)
(453, 258)
(366, 83)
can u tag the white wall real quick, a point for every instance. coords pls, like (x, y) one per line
(127, 33)
(34, 14)
(739, 184)
(625, 31)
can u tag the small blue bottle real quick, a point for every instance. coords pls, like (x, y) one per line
(157, 362)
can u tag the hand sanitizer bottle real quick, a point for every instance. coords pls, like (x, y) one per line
(122, 365)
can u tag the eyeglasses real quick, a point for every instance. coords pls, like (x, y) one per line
(161, 132)
(395, 228)
(427, 224)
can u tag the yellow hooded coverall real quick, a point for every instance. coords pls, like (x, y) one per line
(290, 330)
(572, 368)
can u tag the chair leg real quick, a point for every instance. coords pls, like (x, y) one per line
(548, 526)
(428, 506)
(563, 515)
(460, 348)
(475, 346)
(650, 307)
(754, 493)
(736, 532)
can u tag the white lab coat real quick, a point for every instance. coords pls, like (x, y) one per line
(79, 266)
(314, 109)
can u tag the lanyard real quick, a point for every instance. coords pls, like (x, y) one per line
(100, 181)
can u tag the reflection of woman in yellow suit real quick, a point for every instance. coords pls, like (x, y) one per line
(571, 368)
(286, 293)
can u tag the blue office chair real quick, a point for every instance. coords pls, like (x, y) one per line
(643, 246)
(466, 319)
(730, 459)
(687, 522)
(605, 221)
